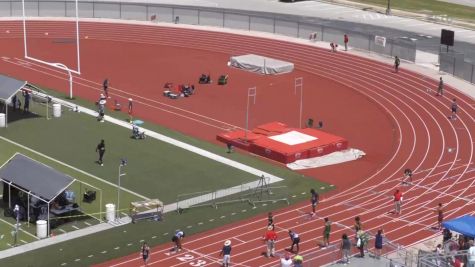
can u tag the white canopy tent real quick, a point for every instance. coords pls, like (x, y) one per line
(8, 88)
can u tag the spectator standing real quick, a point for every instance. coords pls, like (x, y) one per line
(286, 261)
(439, 252)
(440, 89)
(326, 233)
(378, 243)
(454, 108)
(346, 39)
(101, 110)
(298, 261)
(177, 238)
(440, 215)
(105, 87)
(101, 149)
(345, 249)
(314, 200)
(26, 106)
(471, 254)
(361, 242)
(270, 238)
(230, 148)
(145, 252)
(397, 62)
(14, 98)
(295, 238)
(226, 253)
(358, 225)
(397, 201)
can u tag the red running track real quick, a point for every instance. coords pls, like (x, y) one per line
(420, 135)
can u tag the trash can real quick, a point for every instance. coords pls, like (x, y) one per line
(110, 212)
(41, 229)
(2, 120)
(56, 110)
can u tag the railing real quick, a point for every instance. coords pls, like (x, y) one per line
(283, 24)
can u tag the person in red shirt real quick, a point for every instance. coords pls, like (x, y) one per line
(345, 40)
(397, 201)
(270, 239)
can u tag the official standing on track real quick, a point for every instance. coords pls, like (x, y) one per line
(397, 62)
(440, 89)
(440, 215)
(326, 233)
(226, 253)
(270, 238)
(105, 86)
(101, 149)
(145, 252)
(397, 201)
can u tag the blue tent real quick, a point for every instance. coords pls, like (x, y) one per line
(464, 225)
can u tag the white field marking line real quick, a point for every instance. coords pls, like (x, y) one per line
(143, 103)
(12, 225)
(205, 256)
(95, 87)
(71, 167)
(238, 239)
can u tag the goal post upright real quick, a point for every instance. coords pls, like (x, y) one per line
(56, 65)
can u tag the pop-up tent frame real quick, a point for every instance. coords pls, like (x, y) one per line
(38, 180)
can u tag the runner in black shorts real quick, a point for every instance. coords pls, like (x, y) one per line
(145, 251)
(454, 109)
(314, 199)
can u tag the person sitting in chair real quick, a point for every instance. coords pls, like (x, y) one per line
(205, 79)
(136, 134)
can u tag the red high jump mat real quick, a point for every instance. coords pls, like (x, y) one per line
(278, 142)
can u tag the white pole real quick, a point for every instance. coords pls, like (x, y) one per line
(6, 114)
(24, 28)
(301, 102)
(77, 38)
(64, 67)
(251, 92)
(118, 193)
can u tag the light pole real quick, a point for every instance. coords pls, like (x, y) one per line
(388, 9)
(123, 162)
(251, 92)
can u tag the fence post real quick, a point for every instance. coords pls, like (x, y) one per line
(323, 30)
(453, 67)
(473, 70)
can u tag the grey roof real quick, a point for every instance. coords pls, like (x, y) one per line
(9, 87)
(31, 175)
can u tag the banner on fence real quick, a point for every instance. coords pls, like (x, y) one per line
(380, 40)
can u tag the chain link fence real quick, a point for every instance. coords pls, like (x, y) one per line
(455, 63)
(282, 24)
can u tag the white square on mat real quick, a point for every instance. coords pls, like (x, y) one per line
(293, 138)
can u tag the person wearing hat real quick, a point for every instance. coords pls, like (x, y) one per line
(226, 253)
(270, 239)
(298, 261)
(286, 261)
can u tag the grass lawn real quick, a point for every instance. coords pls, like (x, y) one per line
(155, 169)
(431, 7)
